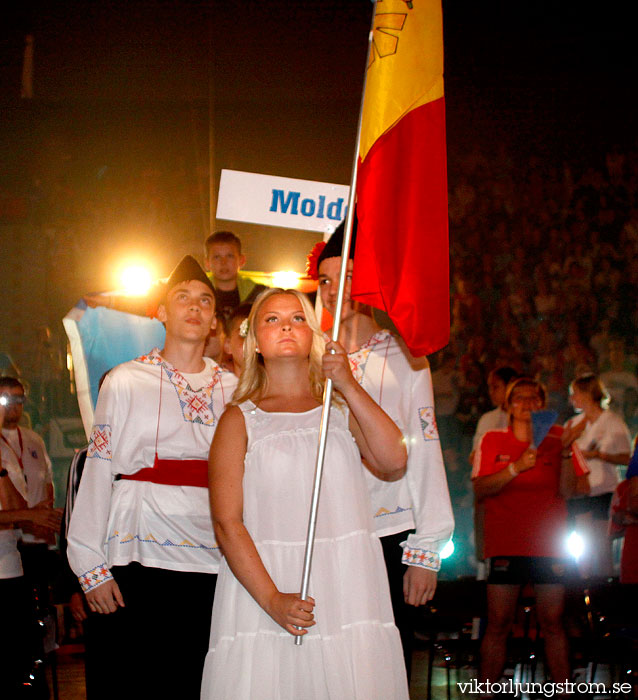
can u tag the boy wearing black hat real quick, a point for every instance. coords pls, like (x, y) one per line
(140, 538)
(413, 516)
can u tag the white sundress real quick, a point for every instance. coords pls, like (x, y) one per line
(354, 651)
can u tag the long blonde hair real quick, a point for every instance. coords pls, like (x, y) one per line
(590, 384)
(253, 382)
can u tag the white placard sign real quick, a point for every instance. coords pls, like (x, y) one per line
(281, 201)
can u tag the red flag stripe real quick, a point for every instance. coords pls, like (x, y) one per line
(402, 258)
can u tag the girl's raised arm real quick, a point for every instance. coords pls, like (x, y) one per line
(225, 477)
(380, 441)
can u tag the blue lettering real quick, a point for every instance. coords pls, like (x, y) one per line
(322, 201)
(292, 202)
(334, 210)
(307, 207)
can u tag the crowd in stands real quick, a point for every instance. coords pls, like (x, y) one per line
(543, 260)
(543, 268)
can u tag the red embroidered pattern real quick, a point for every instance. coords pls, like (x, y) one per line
(359, 358)
(153, 358)
(93, 578)
(421, 557)
(428, 423)
(197, 406)
(100, 444)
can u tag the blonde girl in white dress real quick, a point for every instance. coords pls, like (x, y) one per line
(261, 474)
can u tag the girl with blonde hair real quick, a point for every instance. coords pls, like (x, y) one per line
(605, 442)
(261, 475)
(253, 381)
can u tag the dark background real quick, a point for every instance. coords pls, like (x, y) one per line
(111, 156)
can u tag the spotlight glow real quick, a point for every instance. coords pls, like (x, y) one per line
(575, 545)
(448, 550)
(136, 280)
(286, 279)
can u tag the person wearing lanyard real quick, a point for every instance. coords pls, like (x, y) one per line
(24, 455)
(25, 458)
(140, 538)
(21, 452)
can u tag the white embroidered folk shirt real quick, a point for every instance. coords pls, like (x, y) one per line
(25, 457)
(402, 386)
(116, 522)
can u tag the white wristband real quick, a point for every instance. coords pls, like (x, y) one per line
(511, 470)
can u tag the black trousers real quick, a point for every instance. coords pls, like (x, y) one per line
(404, 614)
(155, 646)
(17, 635)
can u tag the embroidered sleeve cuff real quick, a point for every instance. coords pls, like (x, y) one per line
(93, 578)
(424, 558)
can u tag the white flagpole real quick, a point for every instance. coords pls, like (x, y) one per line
(327, 392)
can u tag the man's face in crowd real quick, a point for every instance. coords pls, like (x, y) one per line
(14, 399)
(329, 270)
(188, 311)
(224, 261)
(496, 388)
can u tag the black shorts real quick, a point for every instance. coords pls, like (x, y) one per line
(512, 571)
(598, 506)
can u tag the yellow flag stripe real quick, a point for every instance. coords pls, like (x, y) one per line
(405, 69)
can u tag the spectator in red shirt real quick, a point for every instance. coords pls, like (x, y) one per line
(624, 521)
(523, 489)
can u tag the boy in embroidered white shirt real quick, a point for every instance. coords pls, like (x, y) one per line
(413, 516)
(140, 538)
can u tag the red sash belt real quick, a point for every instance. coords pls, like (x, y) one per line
(173, 472)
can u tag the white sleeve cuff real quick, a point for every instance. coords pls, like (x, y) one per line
(95, 577)
(425, 558)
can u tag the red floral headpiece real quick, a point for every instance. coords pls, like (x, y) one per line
(312, 261)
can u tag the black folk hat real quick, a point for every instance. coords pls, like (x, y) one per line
(334, 244)
(187, 269)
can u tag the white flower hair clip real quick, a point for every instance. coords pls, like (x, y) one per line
(243, 328)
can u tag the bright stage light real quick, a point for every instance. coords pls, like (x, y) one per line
(575, 545)
(448, 550)
(136, 280)
(286, 279)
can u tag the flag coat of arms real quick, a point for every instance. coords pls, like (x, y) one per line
(402, 252)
